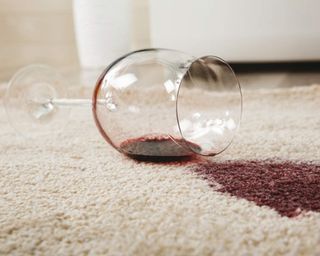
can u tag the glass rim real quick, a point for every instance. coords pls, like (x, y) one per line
(186, 144)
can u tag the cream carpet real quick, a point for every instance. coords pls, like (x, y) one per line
(75, 195)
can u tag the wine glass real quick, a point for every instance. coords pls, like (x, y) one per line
(150, 103)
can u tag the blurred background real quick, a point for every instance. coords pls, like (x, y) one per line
(269, 43)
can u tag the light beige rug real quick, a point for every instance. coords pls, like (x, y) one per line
(76, 195)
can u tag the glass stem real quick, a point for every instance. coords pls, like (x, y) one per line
(44, 107)
(73, 102)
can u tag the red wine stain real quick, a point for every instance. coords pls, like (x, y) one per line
(289, 188)
(160, 149)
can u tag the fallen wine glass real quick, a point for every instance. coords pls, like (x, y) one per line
(151, 103)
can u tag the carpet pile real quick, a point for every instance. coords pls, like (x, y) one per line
(75, 195)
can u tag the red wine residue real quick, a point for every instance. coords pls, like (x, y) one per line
(158, 148)
(287, 187)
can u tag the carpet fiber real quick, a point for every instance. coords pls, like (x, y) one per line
(75, 195)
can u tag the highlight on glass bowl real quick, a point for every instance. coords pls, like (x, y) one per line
(148, 103)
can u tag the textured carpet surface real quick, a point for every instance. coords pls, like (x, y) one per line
(75, 195)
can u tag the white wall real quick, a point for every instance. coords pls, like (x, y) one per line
(36, 31)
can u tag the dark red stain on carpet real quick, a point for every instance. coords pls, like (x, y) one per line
(287, 187)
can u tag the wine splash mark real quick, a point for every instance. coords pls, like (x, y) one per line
(287, 187)
(160, 149)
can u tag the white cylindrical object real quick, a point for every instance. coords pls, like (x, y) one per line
(102, 30)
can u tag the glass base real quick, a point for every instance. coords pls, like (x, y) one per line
(28, 101)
